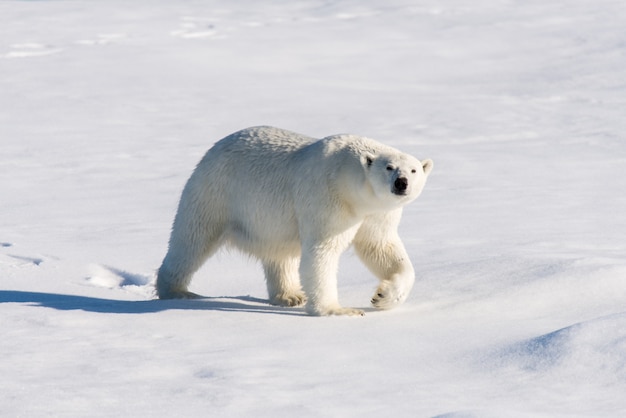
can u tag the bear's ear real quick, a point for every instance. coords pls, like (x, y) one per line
(368, 160)
(427, 165)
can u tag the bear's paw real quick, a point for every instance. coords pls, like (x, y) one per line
(289, 299)
(387, 296)
(179, 294)
(334, 311)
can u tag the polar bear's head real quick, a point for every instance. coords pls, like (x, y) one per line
(395, 178)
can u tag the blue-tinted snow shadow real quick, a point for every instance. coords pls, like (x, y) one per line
(90, 304)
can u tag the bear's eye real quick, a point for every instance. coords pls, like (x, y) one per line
(389, 168)
(414, 171)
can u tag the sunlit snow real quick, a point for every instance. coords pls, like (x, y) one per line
(518, 240)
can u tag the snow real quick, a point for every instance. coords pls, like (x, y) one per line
(519, 308)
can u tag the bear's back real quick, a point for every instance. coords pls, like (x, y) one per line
(264, 143)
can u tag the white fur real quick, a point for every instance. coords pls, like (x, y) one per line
(296, 204)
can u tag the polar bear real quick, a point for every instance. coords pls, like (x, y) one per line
(296, 203)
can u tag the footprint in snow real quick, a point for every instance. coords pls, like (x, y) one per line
(102, 39)
(28, 260)
(31, 49)
(190, 28)
(20, 261)
(112, 278)
(17, 260)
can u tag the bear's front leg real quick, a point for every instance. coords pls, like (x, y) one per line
(392, 292)
(318, 274)
(394, 269)
(378, 245)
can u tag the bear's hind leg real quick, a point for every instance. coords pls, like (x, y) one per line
(176, 271)
(283, 283)
(192, 242)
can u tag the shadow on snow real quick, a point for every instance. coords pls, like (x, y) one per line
(90, 304)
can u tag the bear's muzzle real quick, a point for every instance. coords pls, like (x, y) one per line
(400, 186)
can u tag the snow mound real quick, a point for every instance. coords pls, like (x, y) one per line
(595, 348)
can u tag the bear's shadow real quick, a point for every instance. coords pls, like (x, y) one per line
(91, 304)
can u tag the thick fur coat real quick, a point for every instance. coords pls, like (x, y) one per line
(296, 203)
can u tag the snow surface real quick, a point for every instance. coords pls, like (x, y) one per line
(519, 308)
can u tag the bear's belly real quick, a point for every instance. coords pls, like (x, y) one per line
(267, 238)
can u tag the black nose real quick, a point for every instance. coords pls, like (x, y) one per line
(400, 185)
